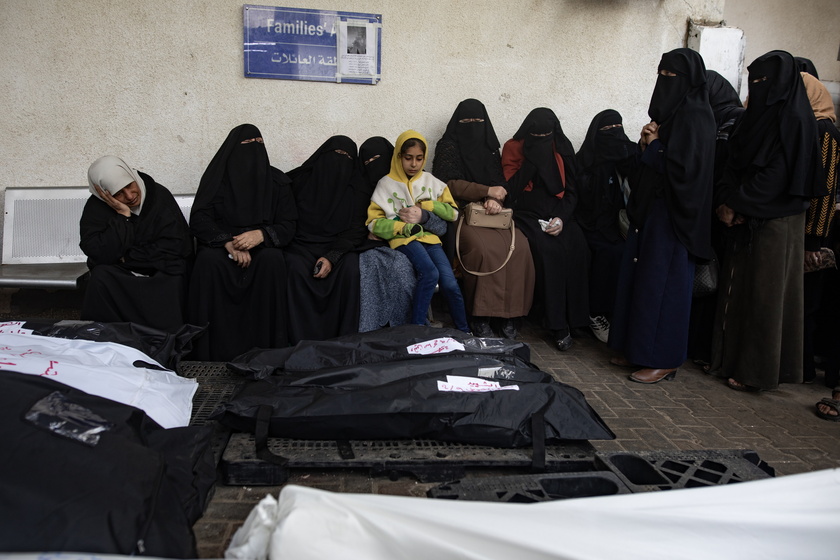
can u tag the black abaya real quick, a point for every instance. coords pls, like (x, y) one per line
(539, 164)
(138, 264)
(333, 198)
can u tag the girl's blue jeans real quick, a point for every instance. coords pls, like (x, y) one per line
(433, 269)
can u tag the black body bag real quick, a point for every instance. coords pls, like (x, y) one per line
(82, 473)
(164, 347)
(325, 362)
(419, 406)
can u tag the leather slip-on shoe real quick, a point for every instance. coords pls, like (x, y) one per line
(650, 376)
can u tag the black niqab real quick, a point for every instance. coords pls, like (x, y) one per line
(242, 175)
(603, 146)
(778, 115)
(476, 142)
(542, 136)
(602, 153)
(330, 193)
(377, 168)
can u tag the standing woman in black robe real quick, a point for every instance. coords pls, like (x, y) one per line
(539, 165)
(762, 198)
(243, 215)
(138, 246)
(604, 160)
(323, 267)
(669, 210)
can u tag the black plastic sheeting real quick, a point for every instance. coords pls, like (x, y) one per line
(368, 386)
(82, 473)
(164, 347)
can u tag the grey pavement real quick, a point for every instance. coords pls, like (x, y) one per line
(693, 412)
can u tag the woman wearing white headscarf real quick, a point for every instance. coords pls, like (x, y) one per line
(138, 246)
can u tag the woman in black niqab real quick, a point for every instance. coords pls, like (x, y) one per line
(762, 197)
(467, 159)
(670, 212)
(604, 161)
(242, 217)
(539, 164)
(323, 266)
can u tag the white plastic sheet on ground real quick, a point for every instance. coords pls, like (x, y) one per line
(104, 369)
(791, 517)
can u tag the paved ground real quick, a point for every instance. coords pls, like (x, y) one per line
(692, 412)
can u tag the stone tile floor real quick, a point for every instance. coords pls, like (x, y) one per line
(693, 412)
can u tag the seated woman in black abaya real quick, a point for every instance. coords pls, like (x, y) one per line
(138, 247)
(323, 265)
(243, 215)
(539, 165)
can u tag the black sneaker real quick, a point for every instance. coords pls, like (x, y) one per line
(481, 327)
(509, 329)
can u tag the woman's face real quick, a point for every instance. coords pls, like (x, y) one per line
(129, 195)
(412, 160)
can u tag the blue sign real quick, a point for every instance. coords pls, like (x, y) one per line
(317, 45)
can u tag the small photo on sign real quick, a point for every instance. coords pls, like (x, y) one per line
(356, 39)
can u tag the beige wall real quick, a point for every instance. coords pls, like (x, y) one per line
(807, 28)
(160, 82)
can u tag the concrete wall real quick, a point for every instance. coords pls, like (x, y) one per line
(807, 28)
(160, 83)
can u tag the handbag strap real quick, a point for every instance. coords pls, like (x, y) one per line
(458, 249)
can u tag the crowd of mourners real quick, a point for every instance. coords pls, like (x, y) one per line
(620, 238)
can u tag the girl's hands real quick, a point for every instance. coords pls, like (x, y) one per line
(410, 214)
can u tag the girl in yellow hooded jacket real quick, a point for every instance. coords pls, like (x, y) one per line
(407, 207)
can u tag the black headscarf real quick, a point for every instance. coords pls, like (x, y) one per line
(329, 192)
(602, 146)
(374, 170)
(242, 175)
(540, 165)
(601, 154)
(805, 65)
(476, 142)
(726, 105)
(778, 116)
(680, 105)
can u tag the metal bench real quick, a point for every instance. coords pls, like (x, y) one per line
(41, 237)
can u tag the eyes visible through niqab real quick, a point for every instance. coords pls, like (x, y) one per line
(249, 140)
(367, 161)
(466, 121)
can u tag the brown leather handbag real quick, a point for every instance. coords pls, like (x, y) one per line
(476, 216)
